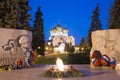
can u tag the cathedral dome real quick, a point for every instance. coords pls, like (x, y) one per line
(59, 25)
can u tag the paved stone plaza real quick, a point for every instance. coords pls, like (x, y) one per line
(34, 73)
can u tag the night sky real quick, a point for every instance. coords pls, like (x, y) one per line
(73, 14)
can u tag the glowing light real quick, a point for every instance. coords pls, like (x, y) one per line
(39, 47)
(82, 49)
(49, 43)
(39, 56)
(46, 48)
(59, 64)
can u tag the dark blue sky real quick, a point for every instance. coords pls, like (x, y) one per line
(75, 14)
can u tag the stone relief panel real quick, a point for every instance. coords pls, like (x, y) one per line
(14, 45)
(107, 42)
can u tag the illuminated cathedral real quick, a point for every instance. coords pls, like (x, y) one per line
(59, 37)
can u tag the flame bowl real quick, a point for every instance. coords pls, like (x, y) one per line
(55, 73)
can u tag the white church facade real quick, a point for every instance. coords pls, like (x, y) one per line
(59, 37)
